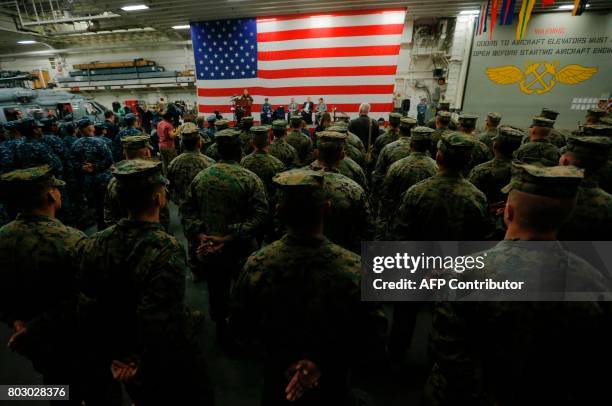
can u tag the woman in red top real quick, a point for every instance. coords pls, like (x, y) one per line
(166, 134)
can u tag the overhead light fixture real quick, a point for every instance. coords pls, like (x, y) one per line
(26, 42)
(135, 7)
(469, 12)
(181, 27)
(569, 7)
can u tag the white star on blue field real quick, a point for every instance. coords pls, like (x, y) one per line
(225, 49)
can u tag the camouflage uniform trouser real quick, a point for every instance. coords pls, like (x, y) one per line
(167, 155)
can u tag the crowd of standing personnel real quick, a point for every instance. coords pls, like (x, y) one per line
(274, 217)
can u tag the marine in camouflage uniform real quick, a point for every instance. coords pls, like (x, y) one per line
(300, 297)
(490, 177)
(134, 147)
(265, 166)
(490, 130)
(403, 174)
(557, 137)
(300, 142)
(354, 147)
(392, 152)
(519, 353)
(604, 174)
(445, 207)
(350, 220)
(184, 168)
(33, 151)
(391, 134)
(280, 148)
(591, 219)
(131, 121)
(245, 135)
(91, 159)
(211, 151)
(442, 122)
(443, 107)
(481, 153)
(539, 150)
(226, 207)
(594, 116)
(38, 270)
(133, 281)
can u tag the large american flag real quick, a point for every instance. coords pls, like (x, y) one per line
(345, 57)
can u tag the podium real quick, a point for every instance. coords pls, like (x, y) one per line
(243, 108)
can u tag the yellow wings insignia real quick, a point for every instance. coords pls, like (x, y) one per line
(573, 74)
(505, 75)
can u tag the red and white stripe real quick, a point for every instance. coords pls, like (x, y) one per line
(346, 58)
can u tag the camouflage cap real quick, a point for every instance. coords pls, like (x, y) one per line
(295, 119)
(408, 123)
(139, 170)
(222, 124)
(246, 119)
(607, 120)
(444, 116)
(421, 133)
(394, 118)
(510, 134)
(29, 176)
(494, 117)
(331, 136)
(84, 122)
(340, 116)
(304, 178)
(338, 128)
(549, 113)
(279, 125)
(455, 142)
(227, 133)
(589, 146)
(444, 105)
(597, 129)
(597, 112)
(129, 117)
(468, 119)
(136, 142)
(550, 181)
(189, 131)
(542, 122)
(260, 129)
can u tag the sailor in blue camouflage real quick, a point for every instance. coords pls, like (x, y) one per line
(402, 175)
(33, 151)
(91, 160)
(490, 130)
(444, 207)
(591, 219)
(56, 144)
(8, 146)
(131, 121)
(69, 130)
(539, 149)
(280, 148)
